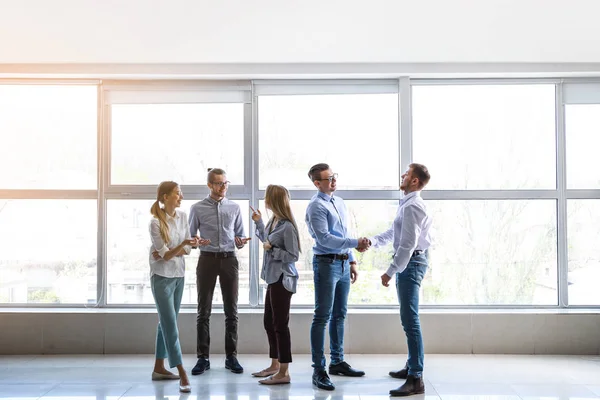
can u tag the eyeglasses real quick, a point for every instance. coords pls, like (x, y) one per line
(330, 178)
(221, 184)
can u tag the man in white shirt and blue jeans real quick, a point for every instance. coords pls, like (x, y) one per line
(411, 240)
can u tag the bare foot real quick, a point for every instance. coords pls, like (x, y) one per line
(184, 380)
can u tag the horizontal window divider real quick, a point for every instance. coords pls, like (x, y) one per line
(49, 194)
(583, 194)
(489, 194)
(484, 81)
(325, 87)
(177, 85)
(300, 194)
(581, 93)
(325, 82)
(149, 191)
(176, 97)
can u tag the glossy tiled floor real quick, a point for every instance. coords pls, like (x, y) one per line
(447, 377)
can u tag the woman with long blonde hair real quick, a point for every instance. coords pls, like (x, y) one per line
(281, 244)
(169, 232)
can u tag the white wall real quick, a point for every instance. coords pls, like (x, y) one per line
(289, 31)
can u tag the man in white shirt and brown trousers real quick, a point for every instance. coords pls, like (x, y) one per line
(410, 235)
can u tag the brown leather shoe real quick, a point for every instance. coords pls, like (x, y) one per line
(402, 374)
(413, 385)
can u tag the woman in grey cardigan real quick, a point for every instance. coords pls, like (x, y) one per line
(281, 243)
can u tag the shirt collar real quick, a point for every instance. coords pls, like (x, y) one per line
(171, 217)
(213, 201)
(410, 196)
(324, 196)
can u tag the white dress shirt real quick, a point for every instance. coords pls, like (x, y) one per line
(409, 232)
(179, 230)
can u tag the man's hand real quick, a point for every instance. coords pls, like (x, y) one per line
(363, 244)
(385, 280)
(353, 272)
(200, 242)
(239, 242)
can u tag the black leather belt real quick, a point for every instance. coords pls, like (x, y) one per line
(333, 256)
(417, 253)
(223, 254)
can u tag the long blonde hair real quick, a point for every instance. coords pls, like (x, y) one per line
(164, 189)
(277, 199)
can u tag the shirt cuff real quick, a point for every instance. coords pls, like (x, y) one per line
(353, 243)
(163, 251)
(393, 270)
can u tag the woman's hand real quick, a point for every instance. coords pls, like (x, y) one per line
(267, 245)
(256, 215)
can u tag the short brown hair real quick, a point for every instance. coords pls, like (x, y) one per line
(212, 172)
(420, 172)
(315, 171)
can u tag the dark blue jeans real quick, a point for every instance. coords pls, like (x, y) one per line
(332, 285)
(408, 283)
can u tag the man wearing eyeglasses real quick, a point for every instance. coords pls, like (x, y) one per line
(218, 221)
(334, 267)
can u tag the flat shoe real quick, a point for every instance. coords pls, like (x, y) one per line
(263, 374)
(275, 381)
(156, 376)
(185, 388)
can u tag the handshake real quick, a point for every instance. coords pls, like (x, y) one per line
(363, 244)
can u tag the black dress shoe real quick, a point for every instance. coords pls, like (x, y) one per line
(232, 364)
(344, 369)
(201, 365)
(413, 385)
(402, 374)
(321, 380)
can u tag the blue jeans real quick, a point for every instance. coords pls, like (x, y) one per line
(408, 283)
(167, 294)
(332, 285)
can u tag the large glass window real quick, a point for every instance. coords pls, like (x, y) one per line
(128, 244)
(486, 137)
(490, 147)
(48, 251)
(492, 252)
(583, 224)
(48, 137)
(157, 142)
(357, 135)
(583, 141)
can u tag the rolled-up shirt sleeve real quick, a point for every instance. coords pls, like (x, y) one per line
(157, 241)
(290, 252)
(260, 230)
